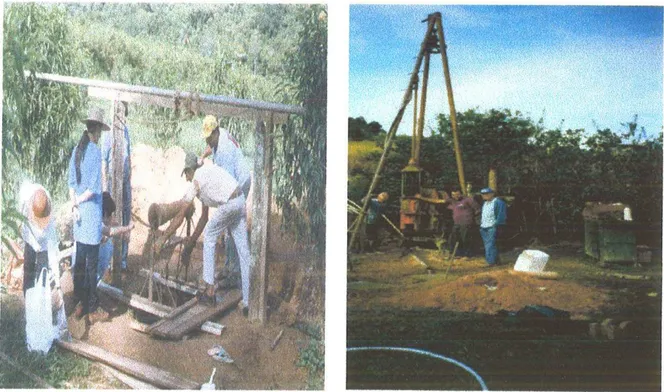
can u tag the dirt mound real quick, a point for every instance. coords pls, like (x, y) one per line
(490, 292)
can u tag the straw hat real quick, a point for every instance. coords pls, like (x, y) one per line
(96, 115)
(209, 124)
(41, 208)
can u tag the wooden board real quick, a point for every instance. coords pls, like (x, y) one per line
(153, 375)
(135, 301)
(129, 381)
(194, 317)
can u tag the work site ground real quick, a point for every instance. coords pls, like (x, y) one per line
(592, 328)
(268, 356)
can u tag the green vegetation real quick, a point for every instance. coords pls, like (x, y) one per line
(267, 52)
(312, 357)
(550, 173)
(58, 368)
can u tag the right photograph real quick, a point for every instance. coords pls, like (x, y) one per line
(504, 206)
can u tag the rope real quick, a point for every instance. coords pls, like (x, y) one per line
(427, 354)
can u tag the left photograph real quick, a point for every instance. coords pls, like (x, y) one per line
(163, 196)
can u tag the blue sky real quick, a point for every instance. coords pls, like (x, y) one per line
(583, 67)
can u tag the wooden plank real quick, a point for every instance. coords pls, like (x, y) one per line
(153, 375)
(262, 190)
(117, 152)
(33, 377)
(195, 317)
(174, 313)
(127, 380)
(135, 301)
(140, 327)
(212, 330)
(170, 283)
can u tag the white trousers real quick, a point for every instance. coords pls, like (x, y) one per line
(232, 217)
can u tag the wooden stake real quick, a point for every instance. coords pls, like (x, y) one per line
(451, 259)
(276, 340)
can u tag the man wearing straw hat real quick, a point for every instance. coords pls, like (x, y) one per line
(226, 153)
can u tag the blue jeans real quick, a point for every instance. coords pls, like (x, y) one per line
(490, 249)
(85, 276)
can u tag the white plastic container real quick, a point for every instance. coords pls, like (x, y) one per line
(531, 261)
(627, 214)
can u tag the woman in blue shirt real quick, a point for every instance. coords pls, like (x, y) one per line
(85, 193)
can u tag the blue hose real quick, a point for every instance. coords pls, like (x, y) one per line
(428, 354)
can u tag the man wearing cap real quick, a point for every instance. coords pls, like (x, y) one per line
(494, 215)
(226, 153)
(38, 233)
(85, 193)
(215, 188)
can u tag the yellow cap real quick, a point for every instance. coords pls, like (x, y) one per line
(209, 125)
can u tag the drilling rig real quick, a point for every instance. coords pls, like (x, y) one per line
(419, 218)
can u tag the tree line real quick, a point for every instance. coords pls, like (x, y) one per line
(546, 174)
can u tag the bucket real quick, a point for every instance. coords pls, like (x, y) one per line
(531, 261)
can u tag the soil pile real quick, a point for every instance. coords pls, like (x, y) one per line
(490, 292)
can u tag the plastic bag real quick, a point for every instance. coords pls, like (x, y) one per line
(39, 331)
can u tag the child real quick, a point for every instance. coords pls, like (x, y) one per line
(108, 230)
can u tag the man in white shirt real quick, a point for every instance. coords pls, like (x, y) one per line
(215, 188)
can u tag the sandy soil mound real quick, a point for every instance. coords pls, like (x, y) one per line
(490, 292)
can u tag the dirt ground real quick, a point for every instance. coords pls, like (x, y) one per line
(472, 314)
(156, 179)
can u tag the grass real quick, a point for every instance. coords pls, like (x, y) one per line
(360, 153)
(58, 368)
(312, 357)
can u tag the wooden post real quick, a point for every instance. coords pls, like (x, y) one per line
(393, 130)
(117, 180)
(262, 193)
(493, 179)
(450, 99)
(412, 147)
(423, 108)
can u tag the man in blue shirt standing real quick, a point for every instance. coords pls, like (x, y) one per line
(107, 180)
(226, 153)
(494, 216)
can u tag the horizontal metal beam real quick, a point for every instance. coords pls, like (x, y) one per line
(239, 105)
